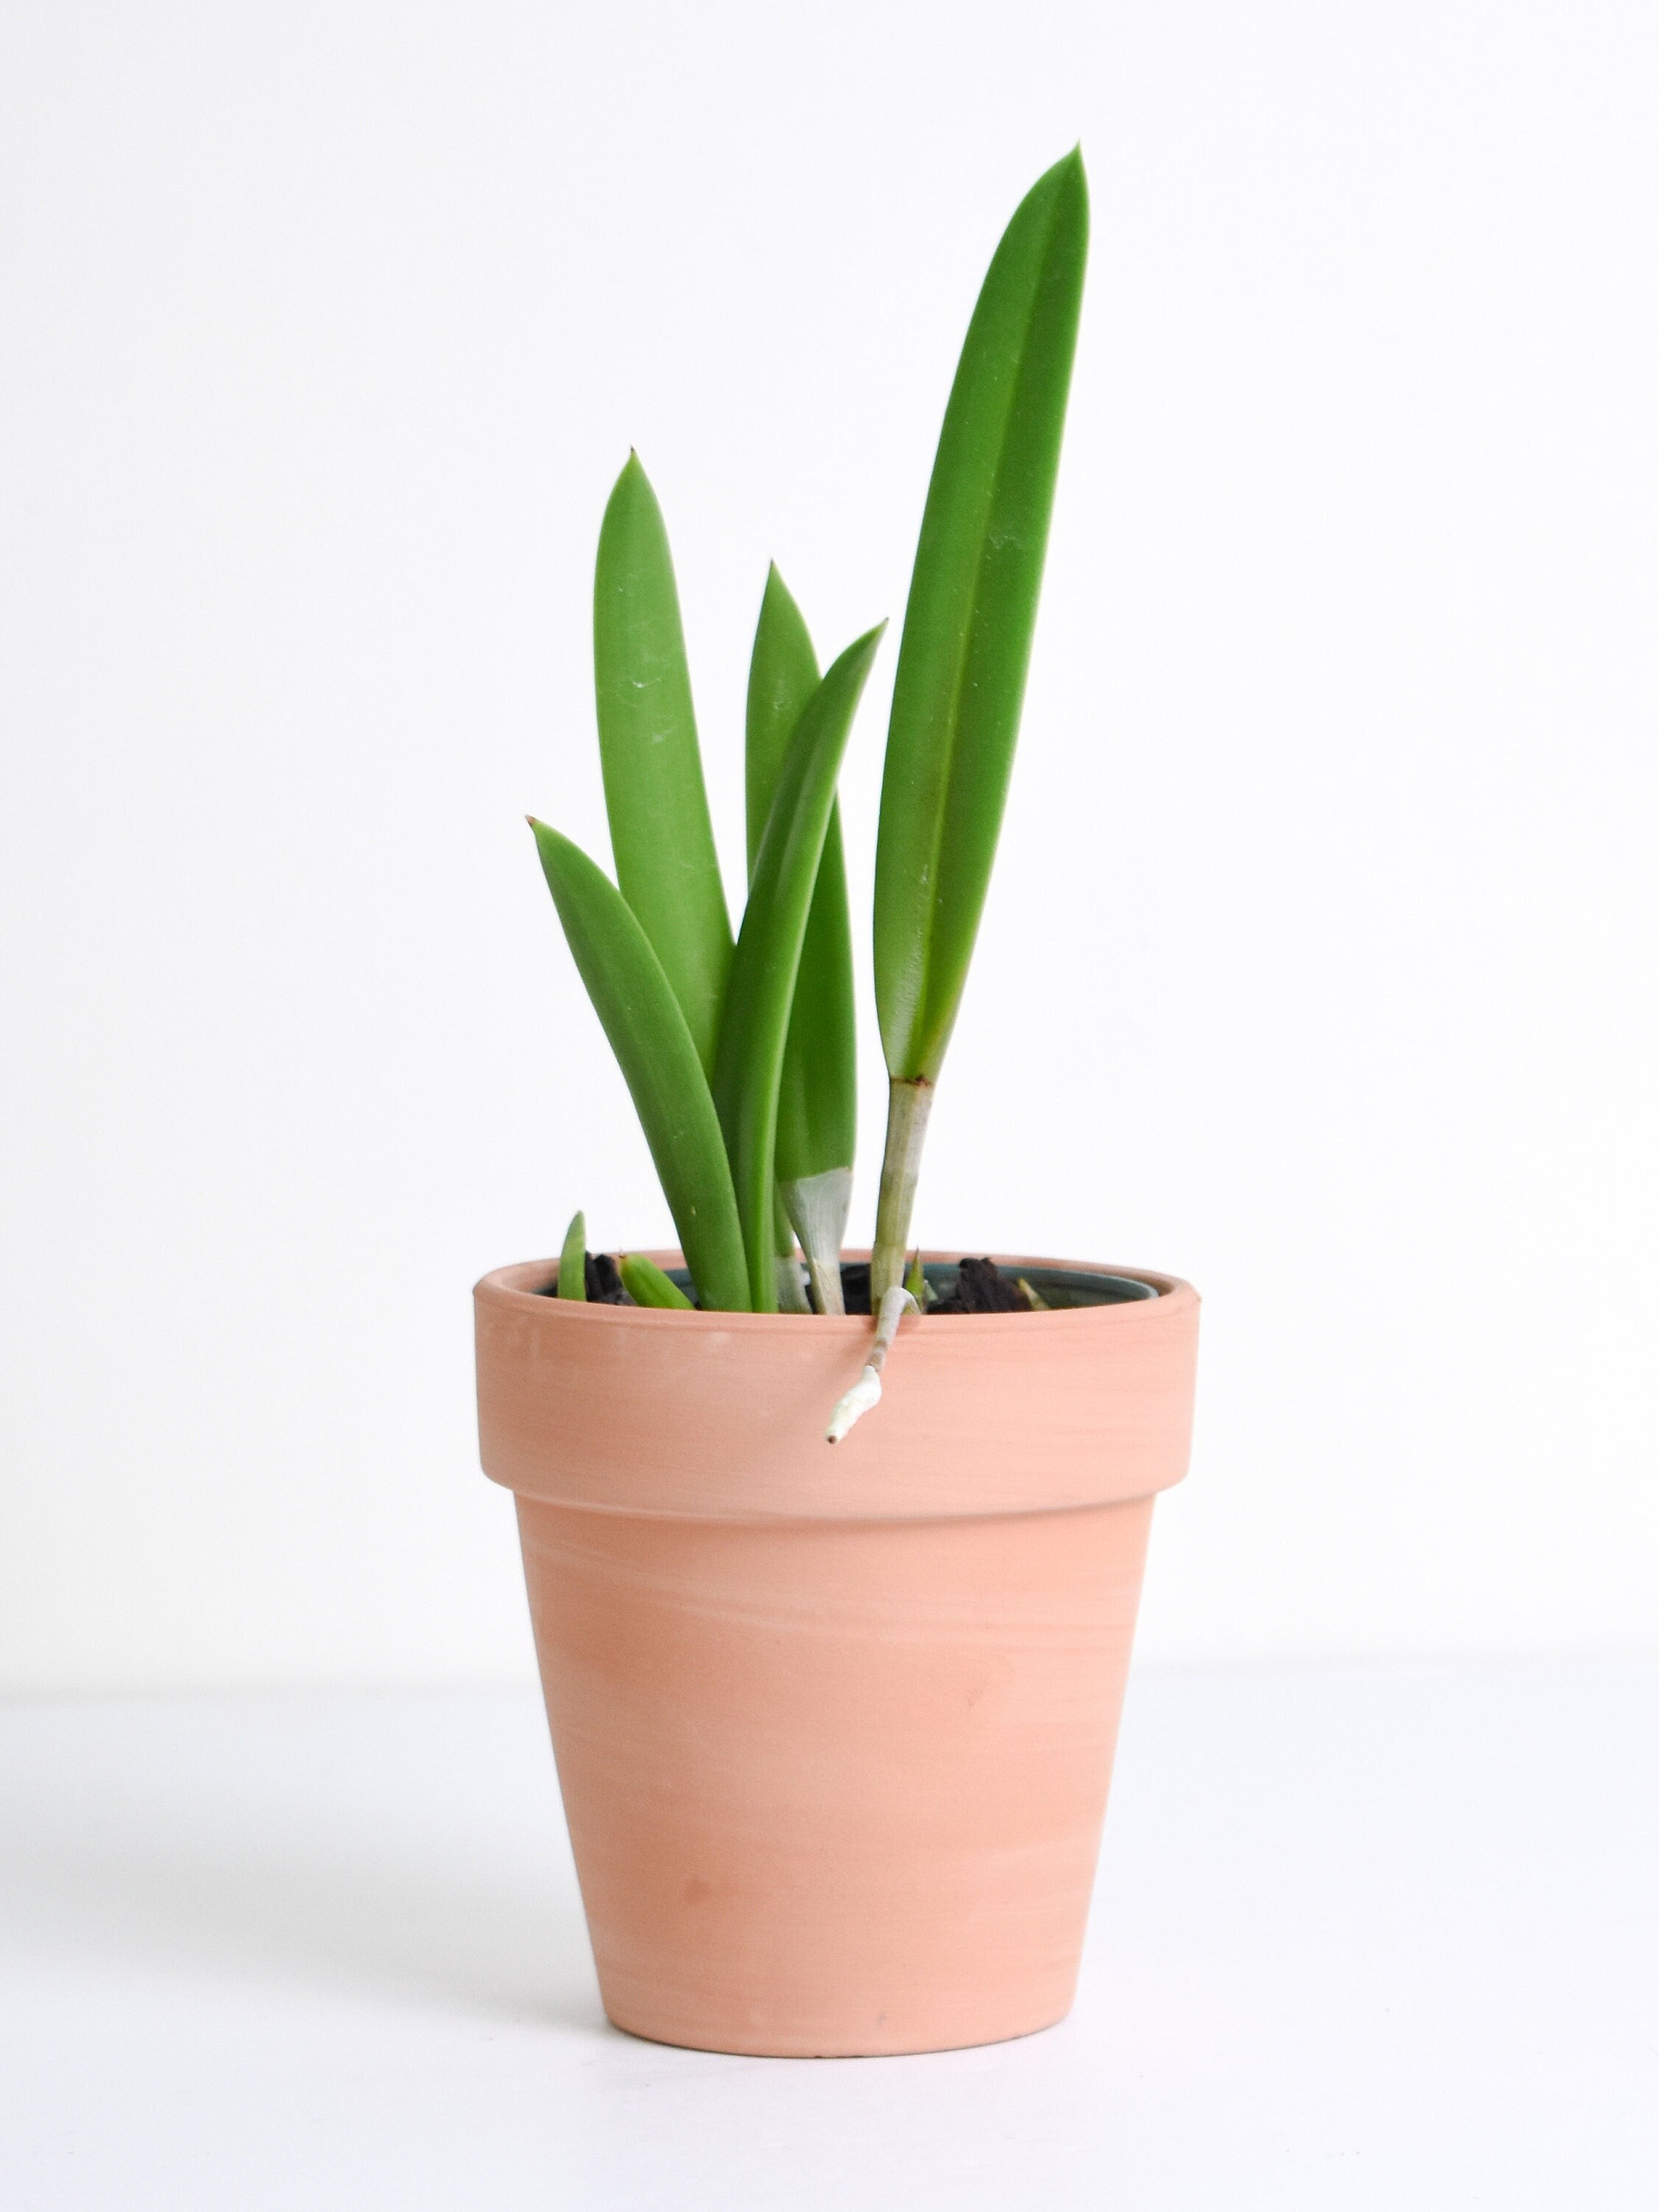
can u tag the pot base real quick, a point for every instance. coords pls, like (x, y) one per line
(865, 2048)
(834, 1789)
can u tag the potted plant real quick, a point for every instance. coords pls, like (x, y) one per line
(834, 1728)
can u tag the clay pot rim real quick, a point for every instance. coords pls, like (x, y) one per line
(525, 1281)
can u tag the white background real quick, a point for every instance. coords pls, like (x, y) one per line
(1363, 1940)
(1319, 963)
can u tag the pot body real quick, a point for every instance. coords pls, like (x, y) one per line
(834, 1728)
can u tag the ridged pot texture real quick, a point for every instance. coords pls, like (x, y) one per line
(834, 1725)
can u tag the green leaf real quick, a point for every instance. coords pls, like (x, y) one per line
(660, 832)
(962, 658)
(817, 1104)
(783, 674)
(647, 1285)
(748, 1064)
(818, 1107)
(653, 1046)
(573, 1260)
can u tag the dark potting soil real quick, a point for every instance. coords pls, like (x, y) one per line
(604, 1281)
(981, 1287)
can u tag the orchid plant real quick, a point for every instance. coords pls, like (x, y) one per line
(739, 1053)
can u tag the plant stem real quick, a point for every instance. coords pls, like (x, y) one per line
(817, 1206)
(791, 1285)
(907, 1104)
(792, 1279)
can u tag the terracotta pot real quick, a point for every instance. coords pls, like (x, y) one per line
(834, 1727)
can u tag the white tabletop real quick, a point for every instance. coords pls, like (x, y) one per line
(1380, 1939)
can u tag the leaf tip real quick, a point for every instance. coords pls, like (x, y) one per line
(630, 477)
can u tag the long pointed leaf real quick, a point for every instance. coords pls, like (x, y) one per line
(660, 831)
(648, 1034)
(968, 625)
(818, 1106)
(783, 674)
(817, 1102)
(749, 1065)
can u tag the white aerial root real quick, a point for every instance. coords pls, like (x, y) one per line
(866, 1391)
